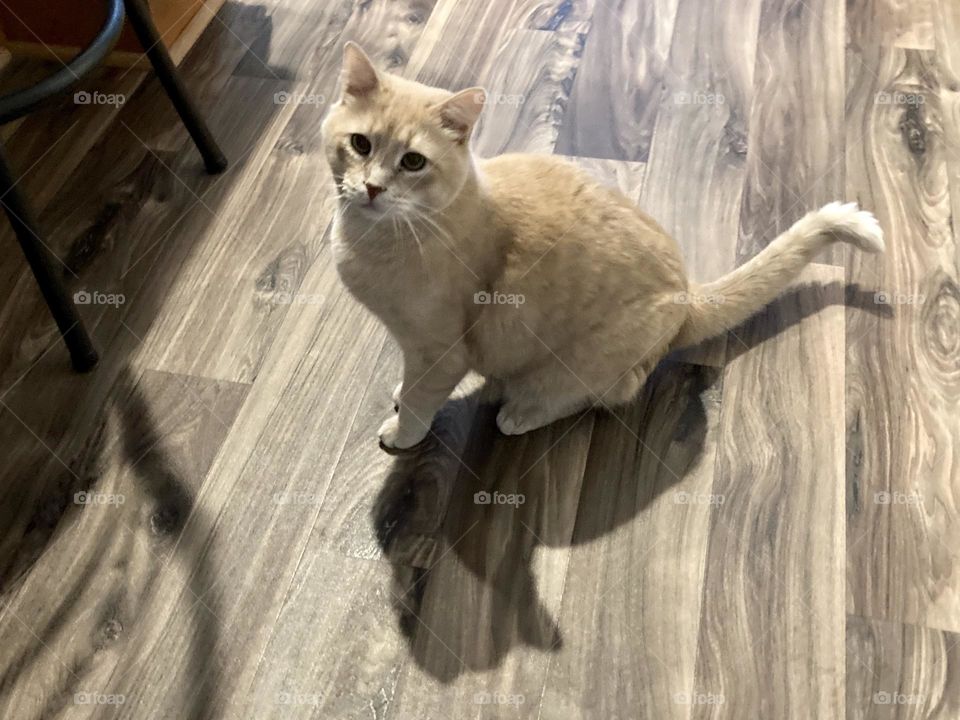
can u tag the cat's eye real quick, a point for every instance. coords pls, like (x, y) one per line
(413, 161)
(361, 143)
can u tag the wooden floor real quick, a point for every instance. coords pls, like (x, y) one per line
(205, 527)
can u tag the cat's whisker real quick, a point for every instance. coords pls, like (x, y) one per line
(416, 237)
(433, 225)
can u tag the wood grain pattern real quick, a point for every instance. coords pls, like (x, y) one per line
(771, 605)
(294, 40)
(285, 444)
(220, 316)
(114, 544)
(947, 24)
(796, 130)
(680, 558)
(901, 671)
(697, 166)
(347, 665)
(488, 601)
(639, 548)
(524, 108)
(902, 379)
(615, 99)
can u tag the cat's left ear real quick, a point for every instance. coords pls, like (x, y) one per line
(358, 77)
(458, 114)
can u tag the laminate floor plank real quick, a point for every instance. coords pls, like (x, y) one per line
(901, 671)
(527, 73)
(632, 597)
(902, 381)
(133, 189)
(51, 414)
(481, 619)
(45, 151)
(772, 597)
(947, 23)
(698, 156)
(796, 128)
(116, 541)
(221, 315)
(682, 557)
(296, 38)
(616, 96)
(348, 664)
(284, 442)
(697, 165)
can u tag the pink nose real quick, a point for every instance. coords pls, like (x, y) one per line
(373, 191)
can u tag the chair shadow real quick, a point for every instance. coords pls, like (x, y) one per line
(170, 500)
(474, 597)
(159, 502)
(57, 423)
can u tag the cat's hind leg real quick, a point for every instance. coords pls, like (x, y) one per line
(535, 400)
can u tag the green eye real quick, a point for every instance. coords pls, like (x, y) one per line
(361, 143)
(413, 161)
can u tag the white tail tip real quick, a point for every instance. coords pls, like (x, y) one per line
(852, 224)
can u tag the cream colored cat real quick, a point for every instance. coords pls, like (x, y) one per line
(520, 267)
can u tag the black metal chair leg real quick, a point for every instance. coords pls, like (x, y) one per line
(46, 269)
(139, 15)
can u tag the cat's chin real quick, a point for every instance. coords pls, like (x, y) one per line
(369, 210)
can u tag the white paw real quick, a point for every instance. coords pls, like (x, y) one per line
(394, 437)
(512, 420)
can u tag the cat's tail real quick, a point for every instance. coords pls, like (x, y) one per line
(725, 303)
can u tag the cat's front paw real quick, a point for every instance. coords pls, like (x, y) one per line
(395, 437)
(515, 420)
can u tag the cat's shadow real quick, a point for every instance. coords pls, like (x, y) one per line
(469, 525)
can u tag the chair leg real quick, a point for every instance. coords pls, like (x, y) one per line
(146, 31)
(46, 270)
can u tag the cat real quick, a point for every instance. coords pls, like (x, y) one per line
(520, 267)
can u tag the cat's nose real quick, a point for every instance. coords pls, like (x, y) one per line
(373, 190)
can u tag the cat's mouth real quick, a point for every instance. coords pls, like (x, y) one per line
(366, 206)
(372, 207)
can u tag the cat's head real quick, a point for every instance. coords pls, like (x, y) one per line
(395, 145)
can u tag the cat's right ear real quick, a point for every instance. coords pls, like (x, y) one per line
(460, 112)
(358, 77)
